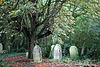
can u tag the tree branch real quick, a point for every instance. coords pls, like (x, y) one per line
(44, 35)
(51, 14)
(14, 7)
(49, 21)
(33, 1)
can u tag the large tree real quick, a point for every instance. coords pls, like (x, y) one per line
(32, 18)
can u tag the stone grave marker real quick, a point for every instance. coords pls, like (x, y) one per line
(57, 52)
(37, 54)
(73, 52)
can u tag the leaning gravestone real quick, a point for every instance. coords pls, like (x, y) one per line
(1, 47)
(37, 54)
(57, 52)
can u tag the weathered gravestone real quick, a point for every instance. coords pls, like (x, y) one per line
(57, 52)
(37, 54)
(73, 52)
(1, 47)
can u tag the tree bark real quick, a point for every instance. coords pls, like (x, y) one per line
(29, 49)
(32, 41)
(82, 50)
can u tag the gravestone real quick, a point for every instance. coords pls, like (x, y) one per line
(1, 48)
(57, 52)
(73, 52)
(37, 54)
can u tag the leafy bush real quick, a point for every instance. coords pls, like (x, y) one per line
(22, 50)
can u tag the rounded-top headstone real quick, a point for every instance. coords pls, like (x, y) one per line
(37, 54)
(57, 52)
(73, 52)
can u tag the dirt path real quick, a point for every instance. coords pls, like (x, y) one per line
(22, 61)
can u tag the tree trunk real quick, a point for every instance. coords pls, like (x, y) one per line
(30, 47)
(82, 50)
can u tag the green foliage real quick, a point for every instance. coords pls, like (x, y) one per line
(3, 52)
(5, 65)
(45, 50)
(22, 50)
(11, 55)
(66, 60)
(77, 23)
(52, 51)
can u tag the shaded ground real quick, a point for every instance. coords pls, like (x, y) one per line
(22, 61)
